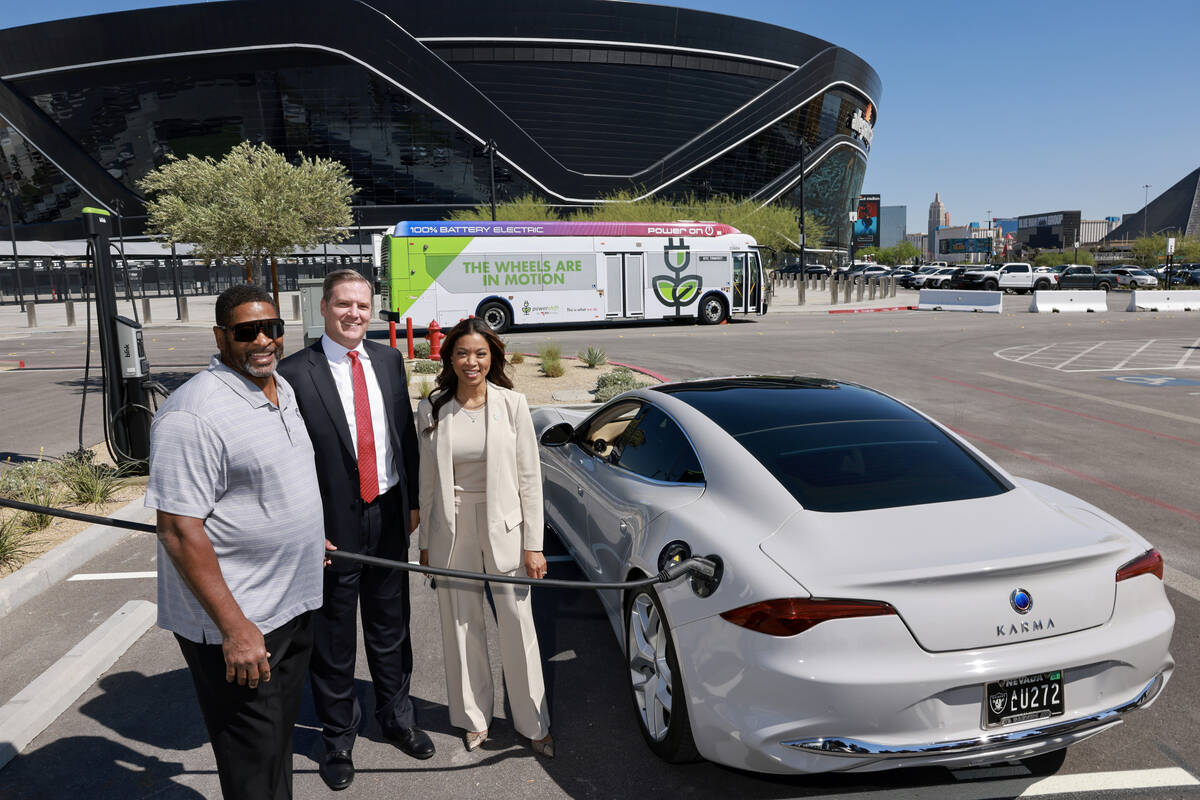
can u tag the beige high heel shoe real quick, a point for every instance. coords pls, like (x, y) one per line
(543, 747)
(474, 739)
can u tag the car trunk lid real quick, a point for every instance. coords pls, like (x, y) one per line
(951, 569)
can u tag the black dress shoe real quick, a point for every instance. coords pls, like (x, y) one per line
(337, 770)
(413, 741)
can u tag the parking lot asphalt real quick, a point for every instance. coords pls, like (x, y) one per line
(1089, 403)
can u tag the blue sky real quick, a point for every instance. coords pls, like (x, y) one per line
(1016, 108)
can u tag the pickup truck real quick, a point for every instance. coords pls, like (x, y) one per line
(1077, 276)
(1016, 276)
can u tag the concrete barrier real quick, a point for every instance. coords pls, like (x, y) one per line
(1056, 300)
(959, 300)
(1162, 300)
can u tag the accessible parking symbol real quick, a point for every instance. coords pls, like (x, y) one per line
(1156, 381)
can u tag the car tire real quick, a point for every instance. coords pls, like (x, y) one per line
(991, 286)
(653, 675)
(712, 310)
(1041, 286)
(496, 316)
(1104, 286)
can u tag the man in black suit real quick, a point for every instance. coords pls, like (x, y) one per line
(353, 396)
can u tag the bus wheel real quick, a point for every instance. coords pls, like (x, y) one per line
(712, 310)
(496, 316)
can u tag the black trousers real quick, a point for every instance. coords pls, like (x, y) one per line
(251, 729)
(385, 610)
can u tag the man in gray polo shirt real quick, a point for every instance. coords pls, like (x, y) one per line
(241, 544)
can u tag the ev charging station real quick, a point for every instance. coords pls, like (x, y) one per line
(126, 370)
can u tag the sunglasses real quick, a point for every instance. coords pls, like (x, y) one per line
(249, 331)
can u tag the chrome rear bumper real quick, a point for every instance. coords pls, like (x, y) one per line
(1093, 723)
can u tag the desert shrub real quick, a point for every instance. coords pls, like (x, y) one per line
(425, 388)
(85, 482)
(614, 383)
(427, 367)
(421, 349)
(593, 357)
(551, 356)
(516, 358)
(33, 482)
(14, 542)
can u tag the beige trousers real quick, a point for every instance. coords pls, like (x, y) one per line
(469, 691)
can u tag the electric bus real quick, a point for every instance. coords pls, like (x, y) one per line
(524, 273)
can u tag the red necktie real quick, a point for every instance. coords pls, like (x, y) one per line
(368, 473)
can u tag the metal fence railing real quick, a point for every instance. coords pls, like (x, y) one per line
(48, 280)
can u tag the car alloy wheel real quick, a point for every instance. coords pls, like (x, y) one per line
(654, 680)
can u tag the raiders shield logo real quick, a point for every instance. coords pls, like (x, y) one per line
(998, 701)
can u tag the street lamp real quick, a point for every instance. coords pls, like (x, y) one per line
(489, 148)
(800, 219)
(1145, 207)
(9, 194)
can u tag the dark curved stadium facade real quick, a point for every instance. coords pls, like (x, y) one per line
(582, 98)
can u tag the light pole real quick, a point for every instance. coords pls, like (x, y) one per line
(9, 194)
(1145, 207)
(800, 219)
(489, 148)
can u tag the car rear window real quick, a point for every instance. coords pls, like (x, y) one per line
(869, 464)
(839, 447)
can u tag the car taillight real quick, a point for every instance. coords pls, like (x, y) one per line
(791, 615)
(1148, 563)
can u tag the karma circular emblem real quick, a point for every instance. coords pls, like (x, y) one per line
(1021, 601)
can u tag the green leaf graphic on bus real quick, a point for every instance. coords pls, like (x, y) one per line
(675, 290)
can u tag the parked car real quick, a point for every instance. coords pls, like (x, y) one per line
(940, 279)
(1132, 277)
(810, 269)
(915, 280)
(978, 277)
(900, 273)
(1081, 276)
(853, 626)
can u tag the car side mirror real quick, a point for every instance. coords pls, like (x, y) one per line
(558, 434)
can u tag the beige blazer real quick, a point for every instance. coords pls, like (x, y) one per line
(514, 481)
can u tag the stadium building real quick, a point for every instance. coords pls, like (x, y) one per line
(581, 98)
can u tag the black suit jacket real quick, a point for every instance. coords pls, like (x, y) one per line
(337, 462)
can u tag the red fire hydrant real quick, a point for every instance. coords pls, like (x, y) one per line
(435, 341)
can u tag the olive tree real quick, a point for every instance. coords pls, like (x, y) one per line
(250, 206)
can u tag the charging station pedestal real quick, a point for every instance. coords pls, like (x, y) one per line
(122, 353)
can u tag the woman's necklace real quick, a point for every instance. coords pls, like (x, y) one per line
(472, 413)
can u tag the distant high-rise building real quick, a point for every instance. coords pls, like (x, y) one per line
(892, 223)
(937, 218)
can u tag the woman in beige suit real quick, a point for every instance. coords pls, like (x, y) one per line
(481, 510)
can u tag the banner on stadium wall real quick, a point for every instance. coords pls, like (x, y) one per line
(866, 227)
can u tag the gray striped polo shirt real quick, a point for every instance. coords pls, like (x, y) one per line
(221, 452)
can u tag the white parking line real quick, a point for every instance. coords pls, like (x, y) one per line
(1183, 359)
(111, 576)
(1128, 780)
(1134, 353)
(1182, 582)
(51, 693)
(1034, 352)
(1094, 398)
(1081, 355)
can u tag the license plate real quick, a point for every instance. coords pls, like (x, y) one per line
(1022, 699)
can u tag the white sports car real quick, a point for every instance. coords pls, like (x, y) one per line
(886, 595)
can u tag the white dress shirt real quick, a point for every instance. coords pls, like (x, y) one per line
(339, 365)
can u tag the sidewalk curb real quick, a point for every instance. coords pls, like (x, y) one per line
(48, 569)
